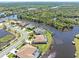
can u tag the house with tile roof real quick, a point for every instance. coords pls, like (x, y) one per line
(39, 39)
(28, 51)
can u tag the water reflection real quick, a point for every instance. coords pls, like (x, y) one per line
(62, 47)
(3, 33)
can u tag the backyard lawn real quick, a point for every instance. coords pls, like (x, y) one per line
(11, 55)
(28, 30)
(45, 47)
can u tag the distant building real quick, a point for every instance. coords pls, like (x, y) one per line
(28, 51)
(39, 31)
(2, 14)
(21, 23)
(54, 7)
(39, 39)
(30, 26)
(32, 8)
(13, 22)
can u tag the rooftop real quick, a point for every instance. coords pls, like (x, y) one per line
(26, 51)
(39, 30)
(39, 38)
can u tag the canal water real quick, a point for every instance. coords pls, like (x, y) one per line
(11, 17)
(14, 17)
(3, 33)
(63, 43)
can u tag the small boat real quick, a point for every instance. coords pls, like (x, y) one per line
(75, 55)
(73, 42)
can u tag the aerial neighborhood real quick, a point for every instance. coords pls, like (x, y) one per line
(27, 41)
(39, 29)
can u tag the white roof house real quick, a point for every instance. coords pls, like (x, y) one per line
(39, 30)
(30, 26)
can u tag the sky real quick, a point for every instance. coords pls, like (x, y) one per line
(39, 0)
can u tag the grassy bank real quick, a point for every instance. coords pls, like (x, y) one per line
(77, 47)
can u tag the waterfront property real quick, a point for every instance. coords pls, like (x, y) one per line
(30, 26)
(34, 43)
(18, 23)
(39, 31)
(39, 39)
(21, 23)
(12, 22)
(28, 51)
(44, 47)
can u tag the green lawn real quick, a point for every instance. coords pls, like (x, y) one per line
(45, 47)
(1, 26)
(28, 30)
(77, 47)
(6, 38)
(11, 55)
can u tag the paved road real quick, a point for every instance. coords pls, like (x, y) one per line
(18, 42)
